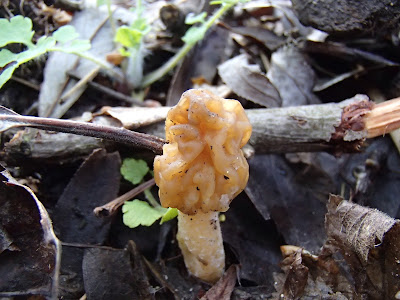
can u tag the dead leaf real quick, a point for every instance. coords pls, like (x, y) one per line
(247, 81)
(296, 276)
(110, 274)
(262, 35)
(291, 200)
(251, 247)
(360, 228)
(30, 261)
(369, 241)
(307, 276)
(95, 183)
(134, 117)
(223, 289)
(89, 23)
(292, 77)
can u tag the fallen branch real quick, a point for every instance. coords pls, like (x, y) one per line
(9, 119)
(333, 127)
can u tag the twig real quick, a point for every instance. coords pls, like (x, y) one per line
(111, 207)
(333, 127)
(26, 83)
(80, 245)
(9, 119)
(109, 92)
(82, 82)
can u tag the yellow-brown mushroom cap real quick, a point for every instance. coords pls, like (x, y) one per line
(202, 166)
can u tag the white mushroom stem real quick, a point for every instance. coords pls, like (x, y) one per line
(200, 239)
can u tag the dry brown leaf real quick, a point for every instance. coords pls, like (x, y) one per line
(247, 81)
(360, 228)
(134, 117)
(369, 241)
(223, 289)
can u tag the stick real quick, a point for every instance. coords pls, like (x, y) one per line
(9, 119)
(333, 127)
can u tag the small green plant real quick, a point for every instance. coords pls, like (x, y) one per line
(19, 30)
(137, 212)
(131, 39)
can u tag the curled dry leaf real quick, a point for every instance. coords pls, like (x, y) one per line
(307, 276)
(247, 81)
(223, 289)
(134, 117)
(360, 228)
(30, 262)
(296, 276)
(369, 241)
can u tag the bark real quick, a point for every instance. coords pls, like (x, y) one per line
(333, 127)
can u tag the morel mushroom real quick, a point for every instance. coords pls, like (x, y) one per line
(201, 170)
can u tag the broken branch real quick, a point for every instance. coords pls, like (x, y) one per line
(9, 119)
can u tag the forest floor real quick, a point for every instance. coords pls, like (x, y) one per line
(317, 219)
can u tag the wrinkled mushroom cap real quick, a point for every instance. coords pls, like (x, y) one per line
(202, 166)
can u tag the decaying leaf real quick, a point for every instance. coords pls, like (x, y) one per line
(90, 25)
(115, 274)
(359, 228)
(251, 247)
(223, 289)
(30, 262)
(293, 202)
(292, 77)
(247, 81)
(262, 35)
(134, 117)
(296, 276)
(308, 276)
(369, 242)
(95, 183)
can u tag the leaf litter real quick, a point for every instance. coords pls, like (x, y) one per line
(266, 57)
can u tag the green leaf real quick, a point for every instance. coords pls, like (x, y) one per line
(75, 47)
(101, 2)
(6, 57)
(128, 37)
(193, 19)
(194, 34)
(19, 30)
(65, 34)
(141, 25)
(134, 170)
(124, 52)
(139, 212)
(169, 215)
(16, 30)
(6, 75)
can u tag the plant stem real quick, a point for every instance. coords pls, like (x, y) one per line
(112, 206)
(173, 61)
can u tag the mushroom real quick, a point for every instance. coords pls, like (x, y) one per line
(201, 170)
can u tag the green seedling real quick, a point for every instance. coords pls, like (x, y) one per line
(131, 38)
(18, 30)
(137, 212)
